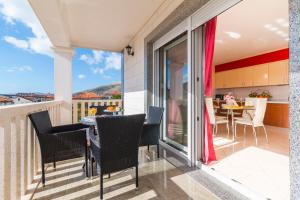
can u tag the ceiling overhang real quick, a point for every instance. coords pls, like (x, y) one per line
(96, 24)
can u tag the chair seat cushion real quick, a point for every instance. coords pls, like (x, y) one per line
(221, 121)
(243, 121)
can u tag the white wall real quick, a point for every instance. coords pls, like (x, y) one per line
(279, 93)
(134, 73)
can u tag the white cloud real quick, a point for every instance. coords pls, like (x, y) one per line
(20, 11)
(81, 76)
(97, 57)
(97, 70)
(106, 76)
(25, 68)
(110, 60)
(22, 44)
(113, 61)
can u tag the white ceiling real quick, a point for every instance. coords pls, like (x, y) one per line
(98, 24)
(261, 24)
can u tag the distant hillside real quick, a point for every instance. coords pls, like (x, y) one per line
(105, 90)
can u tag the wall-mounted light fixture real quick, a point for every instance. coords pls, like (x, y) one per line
(129, 50)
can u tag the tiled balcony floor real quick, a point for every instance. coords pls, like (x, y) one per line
(263, 168)
(158, 179)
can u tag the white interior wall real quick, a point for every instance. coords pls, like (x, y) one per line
(279, 93)
(134, 73)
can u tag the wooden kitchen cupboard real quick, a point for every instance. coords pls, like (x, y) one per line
(278, 72)
(260, 75)
(277, 114)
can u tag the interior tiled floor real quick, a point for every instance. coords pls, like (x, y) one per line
(263, 168)
(158, 179)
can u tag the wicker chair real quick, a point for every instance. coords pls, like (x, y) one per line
(59, 142)
(151, 129)
(117, 145)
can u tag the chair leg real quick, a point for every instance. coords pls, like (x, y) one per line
(216, 129)
(101, 185)
(235, 125)
(244, 131)
(254, 133)
(157, 149)
(137, 176)
(108, 175)
(92, 167)
(54, 162)
(86, 160)
(43, 173)
(266, 133)
(227, 125)
(148, 148)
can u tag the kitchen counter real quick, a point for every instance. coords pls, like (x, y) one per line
(279, 101)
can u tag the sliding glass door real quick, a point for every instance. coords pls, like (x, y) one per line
(175, 93)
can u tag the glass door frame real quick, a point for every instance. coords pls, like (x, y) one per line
(165, 49)
(195, 74)
(180, 29)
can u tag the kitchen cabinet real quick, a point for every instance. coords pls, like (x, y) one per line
(228, 79)
(277, 114)
(274, 73)
(260, 74)
(221, 79)
(245, 77)
(278, 73)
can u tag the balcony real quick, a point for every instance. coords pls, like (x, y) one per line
(150, 28)
(21, 173)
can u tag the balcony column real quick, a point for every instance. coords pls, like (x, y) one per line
(63, 81)
(294, 108)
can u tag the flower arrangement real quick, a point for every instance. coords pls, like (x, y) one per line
(111, 108)
(92, 111)
(264, 94)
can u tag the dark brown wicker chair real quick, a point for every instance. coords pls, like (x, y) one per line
(60, 142)
(151, 130)
(117, 145)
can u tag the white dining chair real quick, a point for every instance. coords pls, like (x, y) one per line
(249, 101)
(215, 120)
(253, 118)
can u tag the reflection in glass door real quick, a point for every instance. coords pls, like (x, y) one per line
(175, 93)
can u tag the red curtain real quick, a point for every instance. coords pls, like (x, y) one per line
(210, 31)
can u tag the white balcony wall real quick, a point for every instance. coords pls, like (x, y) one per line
(134, 72)
(20, 152)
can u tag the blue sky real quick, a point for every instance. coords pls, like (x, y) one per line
(26, 57)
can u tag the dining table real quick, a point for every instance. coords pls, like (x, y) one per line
(231, 109)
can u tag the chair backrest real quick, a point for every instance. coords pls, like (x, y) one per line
(249, 101)
(41, 122)
(260, 110)
(119, 138)
(210, 109)
(155, 115)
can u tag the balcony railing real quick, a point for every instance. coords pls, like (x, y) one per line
(19, 148)
(80, 107)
